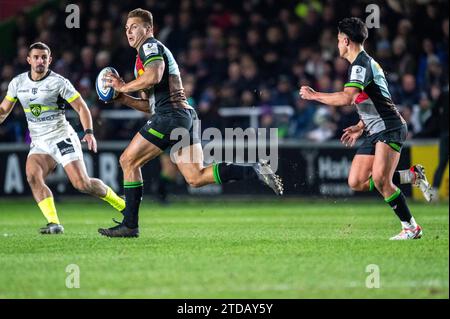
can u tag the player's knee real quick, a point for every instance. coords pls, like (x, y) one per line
(123, 160)
(354, 183)
(126, 162)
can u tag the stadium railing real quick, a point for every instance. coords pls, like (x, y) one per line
(252, 113)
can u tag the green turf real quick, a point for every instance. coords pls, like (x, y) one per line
(223, 249)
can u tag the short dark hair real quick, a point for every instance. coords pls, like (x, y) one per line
(39, 46)
(145, 15)
(354, 28)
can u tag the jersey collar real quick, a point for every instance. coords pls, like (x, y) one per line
(47, 74)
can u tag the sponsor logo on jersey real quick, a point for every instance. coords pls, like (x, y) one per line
(35, 109)
(43, 119)
(358, 73)
(150, 48)
(65, 147)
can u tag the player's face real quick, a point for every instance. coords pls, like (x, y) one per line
(342, 44)
(136, 31)
(39, 60)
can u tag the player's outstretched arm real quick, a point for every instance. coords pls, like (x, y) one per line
(344, 98)
(79, 105)
(152, 75)
(5, 108)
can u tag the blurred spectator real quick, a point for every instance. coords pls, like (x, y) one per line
(421, 113)
(409, 94)
(302, 121)
(440, 110)
(283, 92)
(325, 127)
(404, 61)
(253, 53)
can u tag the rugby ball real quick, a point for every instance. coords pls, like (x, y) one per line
(104, 93)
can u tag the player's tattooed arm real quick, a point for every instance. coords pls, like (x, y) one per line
(152, 75)
(344, 98)
(5, 108)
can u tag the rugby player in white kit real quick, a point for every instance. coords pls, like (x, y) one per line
(43, 95)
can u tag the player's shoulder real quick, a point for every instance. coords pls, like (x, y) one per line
(19, 78)
(151, 46)
(58, 78)
(151, 40)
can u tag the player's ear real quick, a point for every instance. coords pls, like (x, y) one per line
(29, 59)
(50, 60)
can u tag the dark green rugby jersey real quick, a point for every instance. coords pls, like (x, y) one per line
(374, 104)
(169, 93)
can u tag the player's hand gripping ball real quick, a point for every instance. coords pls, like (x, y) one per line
(104, 91)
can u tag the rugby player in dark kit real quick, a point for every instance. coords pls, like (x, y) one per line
(383, 127)
(162, 95)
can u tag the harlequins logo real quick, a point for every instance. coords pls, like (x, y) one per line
(35, 109)
(358, 70)
(34, 90)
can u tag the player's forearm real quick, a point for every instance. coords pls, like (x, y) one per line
(85, 118)
(3, 115)
(136, 103)
(361, 124)
(141, 83)
(333, 99)
(5, 110)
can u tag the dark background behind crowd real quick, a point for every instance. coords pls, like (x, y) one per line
(245, 54)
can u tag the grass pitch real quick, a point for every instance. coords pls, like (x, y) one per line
(223, 249)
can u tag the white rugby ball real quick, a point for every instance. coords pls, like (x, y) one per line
(104, 93)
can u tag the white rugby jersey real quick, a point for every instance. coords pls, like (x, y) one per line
(43, 103)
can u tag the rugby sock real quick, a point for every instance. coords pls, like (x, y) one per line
(163, 182)
(228, 172)
(48, 208)
(133, 197)
(398, 203)
(114, 200)
(403, 177)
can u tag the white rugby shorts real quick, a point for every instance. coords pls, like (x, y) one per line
(63, 149)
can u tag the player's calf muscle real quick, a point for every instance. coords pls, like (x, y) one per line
(384, 184)
(200, 177)
(34, 179)
(98, 188)
(82, 185)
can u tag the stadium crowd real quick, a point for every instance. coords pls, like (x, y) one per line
(251, 53)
